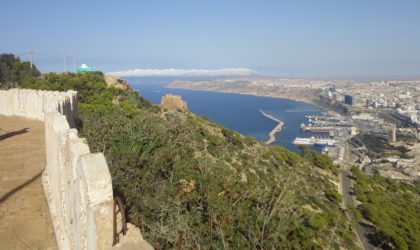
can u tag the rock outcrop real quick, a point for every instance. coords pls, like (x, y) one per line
(116, 82)
(172, 103)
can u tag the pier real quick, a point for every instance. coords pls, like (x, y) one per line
(276, 129)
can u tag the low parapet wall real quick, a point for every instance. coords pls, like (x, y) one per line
(76, 182)
(36, 104)
(78, 188)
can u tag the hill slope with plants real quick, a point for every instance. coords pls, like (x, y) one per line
(392, 207)
(189, 183)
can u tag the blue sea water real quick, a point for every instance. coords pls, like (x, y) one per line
(235, 111)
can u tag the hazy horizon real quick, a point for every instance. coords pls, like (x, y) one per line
(322, 39)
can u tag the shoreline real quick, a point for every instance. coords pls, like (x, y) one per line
(251, 94)
(320, 107)
(275, 130)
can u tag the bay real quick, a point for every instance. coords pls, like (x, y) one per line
(235, 111)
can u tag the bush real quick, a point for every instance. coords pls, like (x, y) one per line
(333, 195)
(393, 208)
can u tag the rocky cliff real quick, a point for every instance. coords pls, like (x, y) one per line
(116, 82)
(173, 103)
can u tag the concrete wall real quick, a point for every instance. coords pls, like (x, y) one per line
(78, 187)
(77, 183)
(35, 104)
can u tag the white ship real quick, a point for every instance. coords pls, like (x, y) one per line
(303, 141)
(314, 141)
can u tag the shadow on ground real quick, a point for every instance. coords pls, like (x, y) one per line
(13, 133)
(16, 189)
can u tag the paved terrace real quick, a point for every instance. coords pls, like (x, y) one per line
(25, 221)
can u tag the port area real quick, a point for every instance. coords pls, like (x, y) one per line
(275, 130)
(331, 133)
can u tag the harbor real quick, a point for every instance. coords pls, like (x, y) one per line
(276, 129)
(327, 131)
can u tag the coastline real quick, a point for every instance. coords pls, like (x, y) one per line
(275, 130)
(306, 101)
(251, 94)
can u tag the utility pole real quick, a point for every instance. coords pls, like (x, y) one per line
(74, 63)
(64, 62)
(32, 55)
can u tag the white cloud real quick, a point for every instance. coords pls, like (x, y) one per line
(185, 72)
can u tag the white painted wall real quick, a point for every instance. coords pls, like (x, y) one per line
(35, 104)
(78, 188)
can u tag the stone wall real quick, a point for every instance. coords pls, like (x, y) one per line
(77, 183)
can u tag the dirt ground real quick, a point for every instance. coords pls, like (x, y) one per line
(25, 221)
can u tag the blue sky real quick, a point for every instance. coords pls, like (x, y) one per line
(290, 38)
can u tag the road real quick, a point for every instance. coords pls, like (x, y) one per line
(347, 188)
(348, 199)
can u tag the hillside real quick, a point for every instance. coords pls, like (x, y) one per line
(393, 208)
(189, 183)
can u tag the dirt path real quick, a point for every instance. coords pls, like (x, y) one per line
(25, 221)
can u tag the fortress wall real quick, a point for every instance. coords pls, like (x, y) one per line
(77, 183)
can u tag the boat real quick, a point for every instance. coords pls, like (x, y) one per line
(302, 141)
(314, 141)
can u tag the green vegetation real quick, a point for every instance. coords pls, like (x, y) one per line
(319, 160)
(13, 71)
(181, 174)
(393, 207)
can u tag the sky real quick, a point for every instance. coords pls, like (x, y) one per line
(300, 38)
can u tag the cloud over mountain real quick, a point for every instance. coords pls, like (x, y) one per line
(185, 72)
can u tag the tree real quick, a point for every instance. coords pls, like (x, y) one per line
(14, 71)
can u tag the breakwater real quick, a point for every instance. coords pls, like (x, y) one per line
(275, 130)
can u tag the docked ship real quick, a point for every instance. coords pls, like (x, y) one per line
(302, 141)
(314, 141)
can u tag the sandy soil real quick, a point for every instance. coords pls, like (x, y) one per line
(25, 221)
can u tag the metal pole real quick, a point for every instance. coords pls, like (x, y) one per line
(64, 61)
(74, 63)
(31, 53)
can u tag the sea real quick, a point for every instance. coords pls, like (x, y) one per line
(235, 111)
